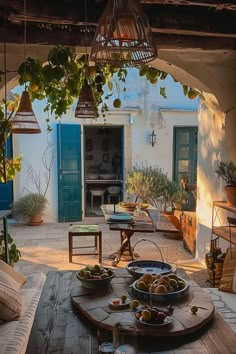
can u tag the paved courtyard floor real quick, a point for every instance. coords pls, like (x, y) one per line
(45, 247)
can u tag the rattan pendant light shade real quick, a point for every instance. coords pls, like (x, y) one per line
(87, 105)
(123, 35)
(25, 121)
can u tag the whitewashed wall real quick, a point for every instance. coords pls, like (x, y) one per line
(143, 109)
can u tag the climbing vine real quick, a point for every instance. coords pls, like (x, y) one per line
(61, 79)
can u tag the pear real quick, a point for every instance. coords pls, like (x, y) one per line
(173, 283)
(160, 289)
(146, 315)
(97, 268)
(141, 285)
(134, 304)
(147, 278)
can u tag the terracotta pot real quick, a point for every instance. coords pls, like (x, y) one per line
(35, 220)
(230, 195)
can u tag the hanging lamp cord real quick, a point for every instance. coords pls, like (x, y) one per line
(24, 50)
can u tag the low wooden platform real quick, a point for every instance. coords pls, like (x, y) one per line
(59, 328)
(93, 304)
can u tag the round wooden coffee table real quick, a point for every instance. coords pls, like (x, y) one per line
(94, 305)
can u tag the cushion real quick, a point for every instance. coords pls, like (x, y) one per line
(10, 298)
(14, 335)
(18, 277)
(228, 279)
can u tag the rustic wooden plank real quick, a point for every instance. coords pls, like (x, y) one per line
(59, 329)
(54, 319)
(185, 322)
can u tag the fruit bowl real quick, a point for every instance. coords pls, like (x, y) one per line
(139, 268)
(95, 277)
(130, 206)
(160, 291)
(152, 316)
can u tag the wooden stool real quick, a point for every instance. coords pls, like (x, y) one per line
(85, 230)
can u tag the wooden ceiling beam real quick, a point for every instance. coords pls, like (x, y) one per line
(193, 33)
(53, 20)
(217, 4)
(76, 38)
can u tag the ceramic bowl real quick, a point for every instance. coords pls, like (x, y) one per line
(108, 176)
(163, 298)
(96, 283)
(92, 176)
(138, 268)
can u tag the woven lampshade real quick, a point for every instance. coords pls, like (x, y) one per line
(123, 35)
(86, 106)
(25, 121)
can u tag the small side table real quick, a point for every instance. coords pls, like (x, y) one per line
(3, 216)
(85, 230)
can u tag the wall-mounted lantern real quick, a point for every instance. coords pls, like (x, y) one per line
(153, 138)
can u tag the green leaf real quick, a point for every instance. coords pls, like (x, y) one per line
(110, 85)
(163, 92)
(185, 90)
(143, 70)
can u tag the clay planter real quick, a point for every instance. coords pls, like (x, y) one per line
(35, 220)
(176, 222)
(230, 195)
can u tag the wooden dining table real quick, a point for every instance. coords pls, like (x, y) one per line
(144, 221)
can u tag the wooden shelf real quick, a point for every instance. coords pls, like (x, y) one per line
(223, 232)
(225, 206)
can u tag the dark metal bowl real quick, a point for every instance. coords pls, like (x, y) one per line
(166, 298)
(138, 268)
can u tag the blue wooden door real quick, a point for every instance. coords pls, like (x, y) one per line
(6, 189)
(185, 161)
(69, 172)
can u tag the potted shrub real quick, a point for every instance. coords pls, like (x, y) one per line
(29, 208)
(152, 185)
(227, 171)
(14, 253)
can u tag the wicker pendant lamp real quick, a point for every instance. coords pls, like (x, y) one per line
(25, 121)
(123, 35)
(87, 105)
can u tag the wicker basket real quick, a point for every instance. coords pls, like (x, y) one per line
(214, 262)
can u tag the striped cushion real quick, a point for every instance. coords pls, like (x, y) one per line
(14, 334)
(18, 277)
(10, 298)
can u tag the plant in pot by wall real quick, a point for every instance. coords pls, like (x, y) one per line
(29, 208)
(14, 253)
(152, 185)
(227, 171)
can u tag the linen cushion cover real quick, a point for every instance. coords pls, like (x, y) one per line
(10, 298)
(18, 277)
(14, 335)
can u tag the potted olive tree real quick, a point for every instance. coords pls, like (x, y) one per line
(29, 208)
(227, 171)
(152, 185)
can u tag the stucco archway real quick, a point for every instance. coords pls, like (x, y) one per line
(212, 73)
